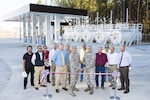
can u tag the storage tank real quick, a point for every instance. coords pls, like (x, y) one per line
(77, 35)
(125, 35)
(99, 36)
(106, 35)
(68, 34)
(89, 35)
(103, 36)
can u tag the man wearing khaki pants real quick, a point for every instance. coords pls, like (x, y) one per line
(60, 59)
(113, 59)
(38, 62)
(51, 56)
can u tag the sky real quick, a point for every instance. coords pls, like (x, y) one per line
(7, 6)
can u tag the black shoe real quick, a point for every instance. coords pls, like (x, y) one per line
(113, 88)
(126, 91)
(53, 84)
(57, 90)
(43, 85)
(32, 84)
(96, 87)
(102, 87)
(81, 80)
(25, 87)
(36, 88)
(48, 81)
(121, 89)
(65, 89)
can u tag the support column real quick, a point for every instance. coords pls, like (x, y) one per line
(29, 40)
(51, 27)
(39, 30)
(34, 37)
(57, 27)
(48, 25)
(20, 30)
(24, 28)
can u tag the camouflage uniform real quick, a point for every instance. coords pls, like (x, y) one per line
(89, 60)
(74, 59)
(68, 67)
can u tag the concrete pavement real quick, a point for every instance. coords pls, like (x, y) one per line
(11, 86)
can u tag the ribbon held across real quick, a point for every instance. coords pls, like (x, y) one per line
(44, 74)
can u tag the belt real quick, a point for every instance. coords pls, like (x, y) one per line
(100, 65)
(123, 66)
(112, 64)
(61, 66)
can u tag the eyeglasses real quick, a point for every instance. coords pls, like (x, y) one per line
(39, 48)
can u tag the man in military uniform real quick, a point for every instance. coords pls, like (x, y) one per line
(74, 59)
(89, 60)
(68, 62)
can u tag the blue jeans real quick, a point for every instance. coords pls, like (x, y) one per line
(102, 70)
(108, 77)
(81, 75)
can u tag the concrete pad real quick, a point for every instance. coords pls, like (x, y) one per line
(11, 86)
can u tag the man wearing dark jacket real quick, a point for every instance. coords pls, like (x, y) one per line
(38, 62)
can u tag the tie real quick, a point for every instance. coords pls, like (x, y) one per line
(62, 57)
(121, 59)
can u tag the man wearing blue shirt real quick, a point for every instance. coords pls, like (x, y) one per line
(60, 59)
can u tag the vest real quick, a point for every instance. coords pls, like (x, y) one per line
(38, 61)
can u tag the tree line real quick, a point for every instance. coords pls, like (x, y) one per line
(138, 11)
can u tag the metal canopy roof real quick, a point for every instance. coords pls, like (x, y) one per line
(18, 15)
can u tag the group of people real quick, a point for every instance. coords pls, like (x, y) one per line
(33, 63)
(68, 65)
